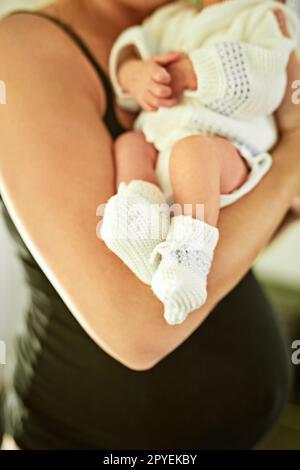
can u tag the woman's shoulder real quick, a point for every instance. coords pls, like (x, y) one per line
(48, 96)
(20, 21)
(23, 33)
(34, 49)
(27, 42)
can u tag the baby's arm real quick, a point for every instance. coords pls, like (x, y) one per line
(246, 79)
(139, 48)
(147, 82)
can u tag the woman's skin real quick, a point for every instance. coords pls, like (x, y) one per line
(56, 167)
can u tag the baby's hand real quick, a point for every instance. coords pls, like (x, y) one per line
(148, 81)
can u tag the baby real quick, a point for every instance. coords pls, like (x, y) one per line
(202, 136)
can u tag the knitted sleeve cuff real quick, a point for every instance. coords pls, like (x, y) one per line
(211, 80)
(133, 37)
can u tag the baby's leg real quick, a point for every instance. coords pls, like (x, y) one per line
(135, 158)
(133, 223)
(202, 168)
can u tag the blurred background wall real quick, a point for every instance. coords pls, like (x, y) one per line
(281, 262)
(8, 5)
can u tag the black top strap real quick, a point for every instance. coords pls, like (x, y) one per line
(110, 118)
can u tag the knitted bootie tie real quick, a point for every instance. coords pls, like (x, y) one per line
(185, 260)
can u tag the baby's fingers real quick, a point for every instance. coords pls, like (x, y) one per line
(167, 58)
(147, 107)
(159, 90)
(160, 74)
(156, 103)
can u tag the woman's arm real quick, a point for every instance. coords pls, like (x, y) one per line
(56, 167)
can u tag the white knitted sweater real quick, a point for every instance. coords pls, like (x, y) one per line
(239, 56)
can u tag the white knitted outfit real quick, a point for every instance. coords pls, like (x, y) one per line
(239, 56)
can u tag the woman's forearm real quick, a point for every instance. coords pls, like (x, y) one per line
(245, 229)
(247, 226)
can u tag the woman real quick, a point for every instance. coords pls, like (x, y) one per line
(96, 364)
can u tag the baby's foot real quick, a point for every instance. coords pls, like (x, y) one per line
(135, 221)
(186, 257)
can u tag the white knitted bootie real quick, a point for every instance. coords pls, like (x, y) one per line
(185, 261)
(135, 221)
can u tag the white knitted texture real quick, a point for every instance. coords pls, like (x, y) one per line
(135, 220)
(239, 56)
(180, 27)
(234, 79)
(185, 260)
